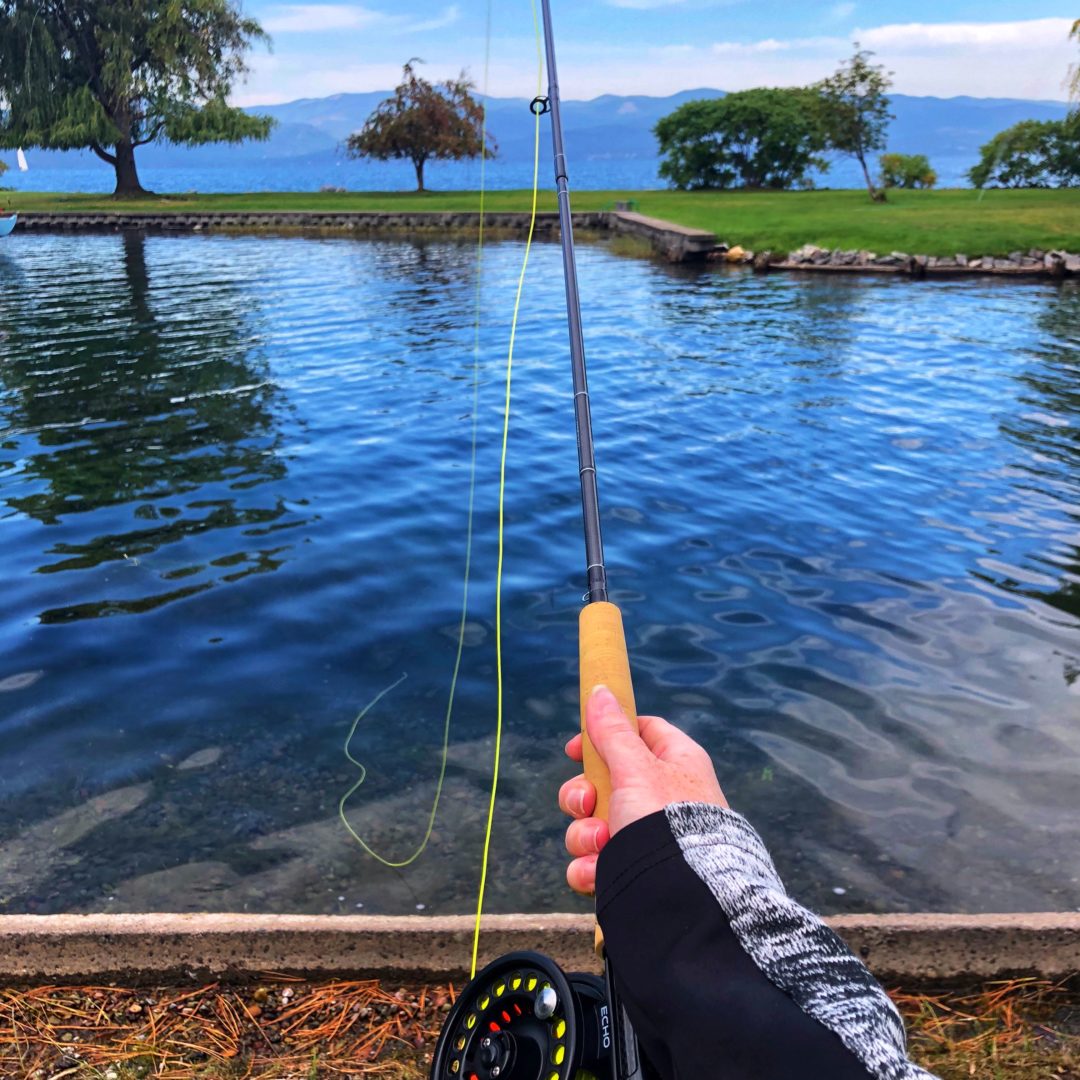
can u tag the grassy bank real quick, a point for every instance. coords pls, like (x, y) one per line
(1021, 1030)
(917, 222)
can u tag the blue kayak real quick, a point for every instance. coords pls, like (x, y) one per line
(7, 224)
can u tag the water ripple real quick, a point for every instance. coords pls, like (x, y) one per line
(841, 518)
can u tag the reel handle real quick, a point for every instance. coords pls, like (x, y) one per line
(603, 659)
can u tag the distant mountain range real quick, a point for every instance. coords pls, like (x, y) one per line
(612, 127)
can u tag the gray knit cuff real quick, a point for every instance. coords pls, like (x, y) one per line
(795, 950)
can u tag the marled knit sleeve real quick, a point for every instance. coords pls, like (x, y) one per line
(722, 973)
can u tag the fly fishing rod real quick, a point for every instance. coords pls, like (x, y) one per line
(522, 1017)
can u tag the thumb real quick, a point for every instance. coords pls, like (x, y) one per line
(613, 736)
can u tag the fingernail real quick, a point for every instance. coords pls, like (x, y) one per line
(577, 802)
(604, 697)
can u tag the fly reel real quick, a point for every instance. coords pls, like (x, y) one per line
(522, 1018)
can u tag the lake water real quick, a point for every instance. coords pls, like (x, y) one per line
(85, 173)
(841, 516)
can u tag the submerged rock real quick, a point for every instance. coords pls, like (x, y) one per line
(200, 759)
(20, 681)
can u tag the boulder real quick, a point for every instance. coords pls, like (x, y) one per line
(734, 255)
(961, 260)
(987, 262)
(1015, 257)
(1072, 263)
(762, 261)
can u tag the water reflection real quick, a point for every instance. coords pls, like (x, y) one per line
(156, 422)
(1047, 431)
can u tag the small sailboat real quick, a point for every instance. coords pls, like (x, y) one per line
(7, 223)
(20, 157)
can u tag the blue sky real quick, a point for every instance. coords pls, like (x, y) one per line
(993, 48)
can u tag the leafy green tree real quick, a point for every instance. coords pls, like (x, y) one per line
(853, 111)
(424, 122)
(99, 74)
(3, 167)
(1031, 154)
(760, 138)
(1074, 74)
(906, 171)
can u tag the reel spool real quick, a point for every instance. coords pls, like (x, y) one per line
(522, 1018)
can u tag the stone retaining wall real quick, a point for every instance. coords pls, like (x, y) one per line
(673, 242)
(907, 949)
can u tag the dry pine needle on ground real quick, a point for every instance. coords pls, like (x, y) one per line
(288, 1029)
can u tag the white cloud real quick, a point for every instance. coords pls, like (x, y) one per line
(314, 18)
(320, 18)
(773, 45)
(1026, 34)
(840, 12)
(447, 18)
(649, 5)
(1024, 59)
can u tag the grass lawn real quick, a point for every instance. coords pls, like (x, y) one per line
(918, 222)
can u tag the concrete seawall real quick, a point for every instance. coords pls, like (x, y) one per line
(907, 949)
(667, 240)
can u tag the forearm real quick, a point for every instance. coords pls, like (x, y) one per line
(722, 973)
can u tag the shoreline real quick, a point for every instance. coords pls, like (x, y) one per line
(937, 224)
(648, 236)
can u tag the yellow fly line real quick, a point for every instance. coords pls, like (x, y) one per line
(397, 864)
(502, 497)
(418, 851)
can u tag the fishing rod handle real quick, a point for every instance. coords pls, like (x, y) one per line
(603, 659)
(603, 656)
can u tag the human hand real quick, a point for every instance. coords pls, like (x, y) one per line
(649, 769)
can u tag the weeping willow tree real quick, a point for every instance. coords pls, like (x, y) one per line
(113, 75)
(1074, 71)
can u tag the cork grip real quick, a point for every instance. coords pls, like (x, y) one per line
(603, 660)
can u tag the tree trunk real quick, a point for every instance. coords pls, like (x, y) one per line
(127, 175)
(877, 196)
(419, 166)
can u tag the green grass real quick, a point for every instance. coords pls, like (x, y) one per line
(917, 222)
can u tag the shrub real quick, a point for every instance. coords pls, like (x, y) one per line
(906, 171)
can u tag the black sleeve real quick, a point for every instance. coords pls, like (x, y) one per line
(701, 1005)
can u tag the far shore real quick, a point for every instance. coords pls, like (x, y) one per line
(933, 223)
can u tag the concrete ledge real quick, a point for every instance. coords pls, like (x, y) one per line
(676, 243)
(147, 948)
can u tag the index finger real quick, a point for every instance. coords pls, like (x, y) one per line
(573, 748)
